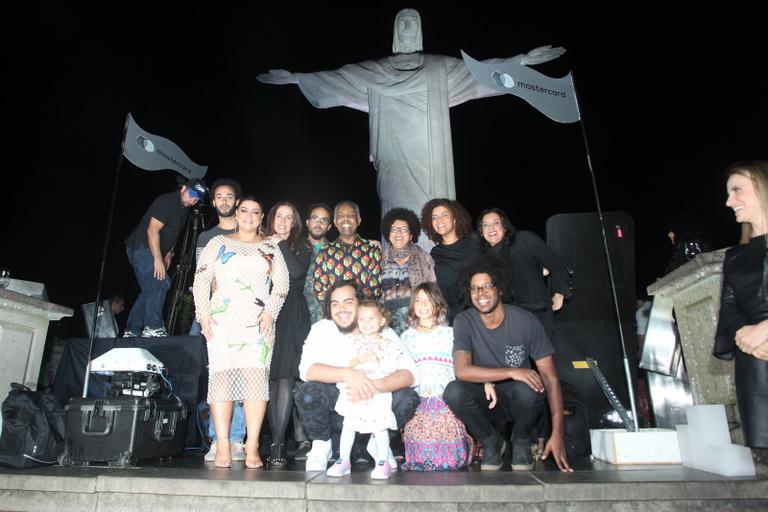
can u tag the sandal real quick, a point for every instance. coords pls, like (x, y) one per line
(223, 456)
(252, 462)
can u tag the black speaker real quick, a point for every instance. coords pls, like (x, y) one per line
(586, 326)
(106, 325)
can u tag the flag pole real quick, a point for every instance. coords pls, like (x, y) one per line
(606, 252)
(86, 379)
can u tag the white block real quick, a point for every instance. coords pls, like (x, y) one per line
(648, 446)
(707, 425)
(706, 445)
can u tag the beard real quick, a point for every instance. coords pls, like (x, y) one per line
(316, 235)
(226, 213)
(348, 329)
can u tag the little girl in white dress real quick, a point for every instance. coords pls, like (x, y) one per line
(377, 357)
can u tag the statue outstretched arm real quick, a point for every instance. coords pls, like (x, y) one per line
(540, 55)
(277, 77)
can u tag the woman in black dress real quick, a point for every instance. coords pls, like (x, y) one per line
(539, 276)
(449, 225)
(293, 323)
(742, 331)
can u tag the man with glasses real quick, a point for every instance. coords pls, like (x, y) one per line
(493, 343)
(349, 257)
(318, 225)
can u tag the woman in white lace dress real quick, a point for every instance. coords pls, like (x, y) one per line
(237, 317)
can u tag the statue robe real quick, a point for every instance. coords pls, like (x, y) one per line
(409, 121)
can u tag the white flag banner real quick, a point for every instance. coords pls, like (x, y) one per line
(153, 153)
(553, 97)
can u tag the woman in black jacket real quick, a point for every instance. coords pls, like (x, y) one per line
(742, 329)
(539, 276)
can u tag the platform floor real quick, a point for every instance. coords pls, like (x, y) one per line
(189, 484)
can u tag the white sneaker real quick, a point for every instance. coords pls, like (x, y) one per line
(342, 467)
(390, 456)
(211, 455)
(238, 451)
(382, 471)
(154, 333)
(318, 456)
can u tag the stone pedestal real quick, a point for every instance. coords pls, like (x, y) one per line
(23, 326)
(695, 290)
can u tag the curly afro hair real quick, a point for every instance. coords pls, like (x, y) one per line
(500, 276)
(461, 218)
(404, 214)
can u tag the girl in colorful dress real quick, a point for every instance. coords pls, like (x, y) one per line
(435, 439)
(377, 357)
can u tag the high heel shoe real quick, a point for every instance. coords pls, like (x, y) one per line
(252, 462)
(277, 455)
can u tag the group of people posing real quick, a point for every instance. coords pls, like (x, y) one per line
(452, 348)
(355, 336)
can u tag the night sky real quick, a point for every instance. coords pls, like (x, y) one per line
(669, 95)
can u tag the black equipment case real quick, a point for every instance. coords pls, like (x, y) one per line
(120, 431)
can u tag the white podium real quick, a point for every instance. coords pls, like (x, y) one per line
(23, 327)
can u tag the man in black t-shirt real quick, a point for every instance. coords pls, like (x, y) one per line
(150, 251)
(493, 344)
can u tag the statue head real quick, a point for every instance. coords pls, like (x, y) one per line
(407, 34)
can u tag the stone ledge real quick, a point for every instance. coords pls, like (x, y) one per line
(19, 500)
(502, 487)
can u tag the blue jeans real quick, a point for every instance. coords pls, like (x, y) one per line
(236, 428)
(147, 311)
(194, 328)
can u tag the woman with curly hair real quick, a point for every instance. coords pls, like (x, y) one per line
(449, 225)
(404, 265)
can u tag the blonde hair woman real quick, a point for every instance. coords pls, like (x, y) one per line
(742, 331)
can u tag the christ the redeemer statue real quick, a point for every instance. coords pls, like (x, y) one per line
(407, 96)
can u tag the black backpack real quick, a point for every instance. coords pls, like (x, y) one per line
(575, 422)
(33, 428)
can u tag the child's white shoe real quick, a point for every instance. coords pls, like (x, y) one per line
(382, 471)
(390, 456)
(342, 467)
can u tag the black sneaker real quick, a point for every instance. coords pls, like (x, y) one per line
(301, 450)
(494, 451)
(522, 455)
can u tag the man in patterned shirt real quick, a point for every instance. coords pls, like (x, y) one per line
(494, 343)
(349, 257)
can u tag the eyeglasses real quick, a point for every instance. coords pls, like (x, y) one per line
(487, 287)
(401, 229)
(321, 220)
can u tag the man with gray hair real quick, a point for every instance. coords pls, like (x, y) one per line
(349, 257)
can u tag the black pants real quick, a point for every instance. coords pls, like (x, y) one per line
(315, 402)
(516, 403)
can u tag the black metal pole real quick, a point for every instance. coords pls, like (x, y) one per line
(104, 253)
(606, 251)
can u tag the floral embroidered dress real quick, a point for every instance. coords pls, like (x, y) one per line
(250, 278)
(435, 439)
